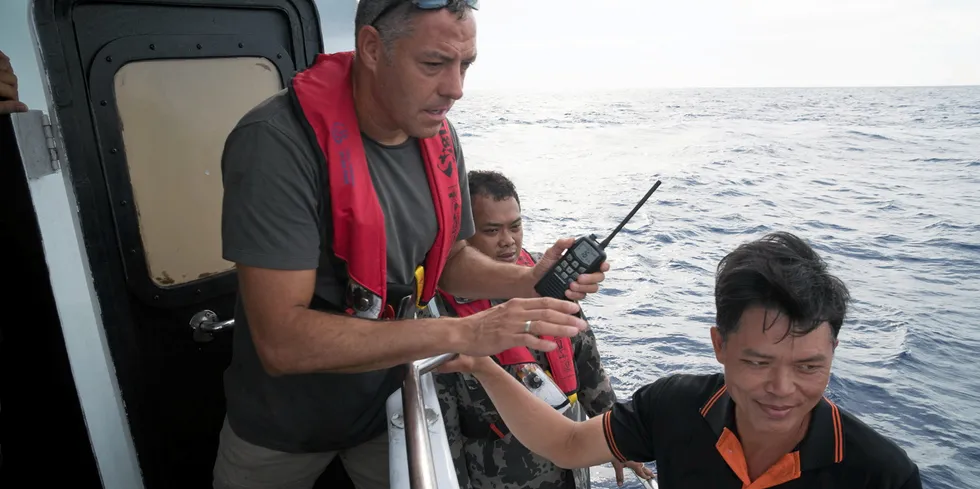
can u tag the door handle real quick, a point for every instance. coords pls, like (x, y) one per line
(205, 324)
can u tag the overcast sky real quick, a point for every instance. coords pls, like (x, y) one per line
(537, 44)
(729, 42)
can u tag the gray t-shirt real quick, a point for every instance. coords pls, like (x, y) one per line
(276, 214)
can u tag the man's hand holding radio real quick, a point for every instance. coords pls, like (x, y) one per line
(587, 283)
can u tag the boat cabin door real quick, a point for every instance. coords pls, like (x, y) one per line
(143, 94)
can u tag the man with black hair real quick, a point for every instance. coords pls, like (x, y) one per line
(765, 422)
(485, 454)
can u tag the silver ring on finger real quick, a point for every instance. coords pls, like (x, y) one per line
(527, 327)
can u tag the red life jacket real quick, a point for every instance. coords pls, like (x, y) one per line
(561, 360)
(324, 93)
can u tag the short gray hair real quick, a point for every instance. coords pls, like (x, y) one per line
(395, 21)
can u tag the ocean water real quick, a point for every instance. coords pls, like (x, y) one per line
(885, 183)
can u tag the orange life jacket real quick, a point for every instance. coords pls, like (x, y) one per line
(561, 360)
(324, 93)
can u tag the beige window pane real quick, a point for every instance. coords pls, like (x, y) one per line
(175, 116)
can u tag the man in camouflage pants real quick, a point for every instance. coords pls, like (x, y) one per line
(485, 454)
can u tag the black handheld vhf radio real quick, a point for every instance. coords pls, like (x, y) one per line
(585, 256)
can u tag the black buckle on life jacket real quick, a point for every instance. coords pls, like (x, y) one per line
(358, 297)
(404, 310)
(400, 303)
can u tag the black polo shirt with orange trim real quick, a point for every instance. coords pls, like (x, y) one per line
(686, 423)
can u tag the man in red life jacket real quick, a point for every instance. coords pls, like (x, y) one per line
(345, 205)
(485, 454)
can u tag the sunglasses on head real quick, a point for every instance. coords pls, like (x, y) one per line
(423, 5)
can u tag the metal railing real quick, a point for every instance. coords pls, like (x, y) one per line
(421, 469)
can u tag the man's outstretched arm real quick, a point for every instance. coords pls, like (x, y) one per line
(538, 426)
(472, 274)
(290, 338)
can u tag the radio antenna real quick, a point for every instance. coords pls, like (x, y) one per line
(606, 241)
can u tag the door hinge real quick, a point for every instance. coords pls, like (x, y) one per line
(51, 143)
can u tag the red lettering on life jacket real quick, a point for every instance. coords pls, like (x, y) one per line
(561, 360)
(324, 93)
